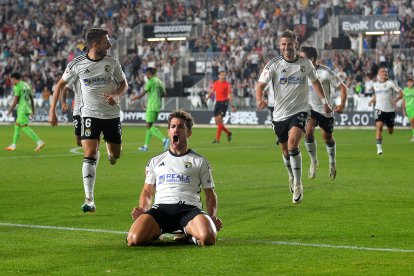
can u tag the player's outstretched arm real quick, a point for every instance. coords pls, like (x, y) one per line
(343, 96)
(260, 103)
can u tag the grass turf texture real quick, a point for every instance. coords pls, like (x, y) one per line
(334, 231)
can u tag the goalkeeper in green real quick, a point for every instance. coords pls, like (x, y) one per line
(23, 98)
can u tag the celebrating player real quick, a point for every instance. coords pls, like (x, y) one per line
(288, 74)
(102, 82)
(384, 105)
(318, 115)
(177, 177)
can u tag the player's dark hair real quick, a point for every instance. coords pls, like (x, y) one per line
(311, 52)
(289, 34)
(16, 75)
(183, 115)
(94, 34)
(151, 70)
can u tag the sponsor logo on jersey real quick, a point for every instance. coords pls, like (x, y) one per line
(173, 178)
(292, 80)
(97, 81)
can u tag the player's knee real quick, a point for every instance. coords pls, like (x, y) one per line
(134, 240)
(207, 238)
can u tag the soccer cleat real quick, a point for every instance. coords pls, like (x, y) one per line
(143, 148)
(297, 194)
(332, 171)
(291, 185)
(215, 141)
(229, 136)
(379, 152)
(40, 145)
(166, 143)
(10, 148)
(312, 169)
(91, 208)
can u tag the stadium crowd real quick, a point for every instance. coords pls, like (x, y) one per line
(241, 35)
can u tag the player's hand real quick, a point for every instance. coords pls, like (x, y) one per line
(217, 222)
(261, 104)
(53, 119)
(327, 108)
(65, 107)
(136, 212)
(111, 99)
(339, 108)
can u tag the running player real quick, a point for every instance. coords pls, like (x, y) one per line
(408, 104)
(318, 115)
(155, 90)
(224, 95)
(288, 74)
(102, 83)
(384, 101)
(23, 96)
(177, 177)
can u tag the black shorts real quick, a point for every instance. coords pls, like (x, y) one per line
(326, 123)
(77, 123)
(282, 128)
(387, 117)
(173, 217)
(221, 108)
(111, 129)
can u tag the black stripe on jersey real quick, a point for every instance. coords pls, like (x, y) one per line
(199, 155)
(272, 61)
(76, 60)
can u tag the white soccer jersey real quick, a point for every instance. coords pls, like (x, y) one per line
(179, 178)
(290, 85)
(327, 78)
(77, 98)
(384, 95)
(96, 79)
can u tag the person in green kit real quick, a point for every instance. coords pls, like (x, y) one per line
(23, 97)
(155, 90)
(408, 103)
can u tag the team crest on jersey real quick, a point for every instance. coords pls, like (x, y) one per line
(88, 132)
(108, 68)
(188, 165)
(302, 69)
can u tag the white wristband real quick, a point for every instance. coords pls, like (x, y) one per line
(324, 101)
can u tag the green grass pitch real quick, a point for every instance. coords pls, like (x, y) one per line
(360, 223)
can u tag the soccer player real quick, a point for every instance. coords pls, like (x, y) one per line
(25, 110)
(289, 74)
(102, 83)
(224, 95)
(318, 115)
(384, 101)
(77, 119)
(177, 177)
(155, 90)
(408, 104)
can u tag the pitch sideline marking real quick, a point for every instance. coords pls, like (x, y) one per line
(351, 247)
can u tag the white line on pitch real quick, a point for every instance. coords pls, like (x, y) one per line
(351, 247)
